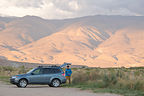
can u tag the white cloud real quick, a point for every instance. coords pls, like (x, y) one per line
(73, 5)
(59, 9)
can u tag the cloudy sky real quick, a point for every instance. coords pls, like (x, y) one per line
(60, 9)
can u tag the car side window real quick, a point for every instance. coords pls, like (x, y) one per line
(46, 71)
(51, 70)
(37, 71)
(56, 70)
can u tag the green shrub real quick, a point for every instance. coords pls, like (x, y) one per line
(79, 77)
(119, 78)
(22, 70)
(6, 70)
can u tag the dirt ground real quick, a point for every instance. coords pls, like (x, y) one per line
(44, 90)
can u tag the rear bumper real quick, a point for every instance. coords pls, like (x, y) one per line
(63, 81)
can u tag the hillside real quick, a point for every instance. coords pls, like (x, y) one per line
(21, 31)
(96, 41)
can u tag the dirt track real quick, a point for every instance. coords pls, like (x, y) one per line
(44, 90)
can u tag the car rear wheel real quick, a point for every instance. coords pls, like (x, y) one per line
(55, 83)
(50, 85)
(22, 83)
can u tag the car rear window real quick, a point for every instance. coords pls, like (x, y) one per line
(51, 70)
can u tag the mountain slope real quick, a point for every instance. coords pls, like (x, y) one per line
(71, 44)
(126, 47)
(97, 41)
(22, 31)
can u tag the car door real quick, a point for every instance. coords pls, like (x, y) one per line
(36, 76)
(47, 74)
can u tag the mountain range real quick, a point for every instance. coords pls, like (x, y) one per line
(95, 41)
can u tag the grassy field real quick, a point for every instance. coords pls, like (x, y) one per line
(7, 71)
(125, 81)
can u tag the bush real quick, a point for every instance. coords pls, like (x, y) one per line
(9, 70)
(79, 77)
(116, 78)
(6, 70)
(22, 70)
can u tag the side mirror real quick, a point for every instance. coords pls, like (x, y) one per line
(32, 73)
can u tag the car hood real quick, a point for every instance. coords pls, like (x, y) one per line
(21, 75)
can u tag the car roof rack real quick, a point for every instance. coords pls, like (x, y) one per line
(49, 66)
(65, 64)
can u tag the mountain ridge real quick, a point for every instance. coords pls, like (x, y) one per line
(96, 41)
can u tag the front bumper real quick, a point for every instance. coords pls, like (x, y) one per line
(13, 81)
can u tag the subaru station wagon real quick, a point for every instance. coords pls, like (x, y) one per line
(51, 75)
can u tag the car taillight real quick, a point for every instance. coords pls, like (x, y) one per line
(63, 74)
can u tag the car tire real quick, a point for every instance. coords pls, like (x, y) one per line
(50, 85)
(55, 83)
(22, 83)
(17, 85)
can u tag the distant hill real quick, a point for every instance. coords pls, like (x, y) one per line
(95, 41)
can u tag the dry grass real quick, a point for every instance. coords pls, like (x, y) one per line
(110, 78)
(126, 81)
(9, 70)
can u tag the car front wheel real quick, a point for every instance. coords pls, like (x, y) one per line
(55, 83)
(22, 83)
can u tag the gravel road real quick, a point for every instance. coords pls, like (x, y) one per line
(44, 90)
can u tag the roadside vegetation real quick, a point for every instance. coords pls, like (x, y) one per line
(125, 81)
(7, 71)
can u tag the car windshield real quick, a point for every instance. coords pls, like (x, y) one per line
(31, 71)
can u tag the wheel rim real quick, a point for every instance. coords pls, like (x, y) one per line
(56, 83)
(23, 83)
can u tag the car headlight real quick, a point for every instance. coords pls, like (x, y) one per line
(13, 77)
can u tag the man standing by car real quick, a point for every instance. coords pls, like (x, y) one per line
(68, 73)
